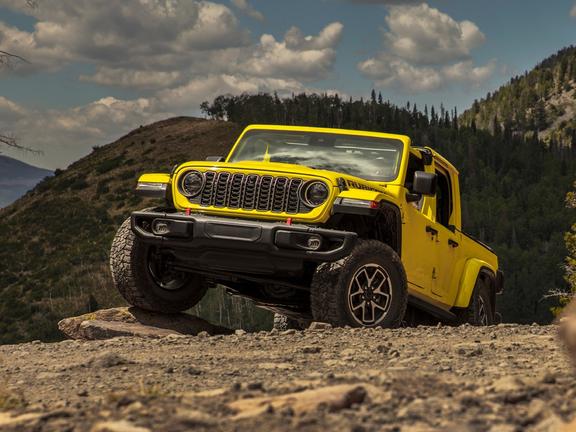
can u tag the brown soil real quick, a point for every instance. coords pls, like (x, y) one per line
(501, 378)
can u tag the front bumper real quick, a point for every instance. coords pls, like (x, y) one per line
(234, 245)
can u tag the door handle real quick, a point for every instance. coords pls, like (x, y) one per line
(431, 230)
(453, 243)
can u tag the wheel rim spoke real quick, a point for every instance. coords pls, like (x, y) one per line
(370, 294)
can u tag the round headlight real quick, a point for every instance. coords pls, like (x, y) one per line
(191, 184)
(315, 193)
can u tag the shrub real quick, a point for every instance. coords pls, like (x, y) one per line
(109, 164)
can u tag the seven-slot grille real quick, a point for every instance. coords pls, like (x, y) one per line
(251, 192)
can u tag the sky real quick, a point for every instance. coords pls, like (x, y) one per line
(97, 69)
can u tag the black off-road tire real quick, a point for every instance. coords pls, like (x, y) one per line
(330, 286)
(480, 312)
(282, 322)
(129, 264)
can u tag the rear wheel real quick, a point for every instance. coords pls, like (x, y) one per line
(480, 312)
(368, 288)
(145, 278)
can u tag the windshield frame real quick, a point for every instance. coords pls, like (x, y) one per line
(368, 136)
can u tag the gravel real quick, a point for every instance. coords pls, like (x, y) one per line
(501, 378)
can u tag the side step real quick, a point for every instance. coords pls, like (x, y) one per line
(432, 310)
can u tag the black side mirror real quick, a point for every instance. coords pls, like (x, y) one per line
(424, 183)
(215, 158)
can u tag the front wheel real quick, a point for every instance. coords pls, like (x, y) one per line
(144, 277)
(368, 288)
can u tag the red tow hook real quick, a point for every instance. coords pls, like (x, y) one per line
(289, 221)
(188, 212)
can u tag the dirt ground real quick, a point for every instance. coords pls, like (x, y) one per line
(502, 378)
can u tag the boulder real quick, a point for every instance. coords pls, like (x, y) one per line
(131, 321)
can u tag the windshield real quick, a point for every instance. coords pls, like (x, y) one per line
(365, 157)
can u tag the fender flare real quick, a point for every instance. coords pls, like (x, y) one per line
(385, 206)
(473, 268)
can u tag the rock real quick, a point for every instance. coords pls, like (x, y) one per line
(96, 330)
(123, 321)
(192, 418)
(117, 426)
(334, 398)
(316, 325)
(507, 384)
(240, 332)
(276, 366)
(8, 419)
(107, 360)
(567, 329)
(311, 349)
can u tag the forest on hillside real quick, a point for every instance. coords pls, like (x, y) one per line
(513, 186)
(540, 102)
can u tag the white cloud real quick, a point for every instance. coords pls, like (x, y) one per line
(248, 9)
(141, 79)
(466, 72)
(425, 50)
(388, 71)
(65, 135)
(424, 35)
(385, 2)
(175, 53)
(129, 33)
(307, 58)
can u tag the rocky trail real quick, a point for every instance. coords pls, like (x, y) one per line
(503, 378)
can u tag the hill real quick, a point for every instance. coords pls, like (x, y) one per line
(541, 102)
(16, 178)
(56, 238)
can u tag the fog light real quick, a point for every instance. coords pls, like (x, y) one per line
(314, 243)
(160, 228)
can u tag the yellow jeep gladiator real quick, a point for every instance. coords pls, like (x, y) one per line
(339, 226)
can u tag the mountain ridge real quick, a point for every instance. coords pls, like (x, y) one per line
(541, 103)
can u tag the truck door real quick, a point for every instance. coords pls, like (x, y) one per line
(418, 240)
(448, 238)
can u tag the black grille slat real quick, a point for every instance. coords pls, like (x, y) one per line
(252, 192)
(279, 194)
(293, 199)
(235, 194)
(264, 192)
(206, 196)
(221, 189)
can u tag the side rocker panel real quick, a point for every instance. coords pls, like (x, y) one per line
(471, 271)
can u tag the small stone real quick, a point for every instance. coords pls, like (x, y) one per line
(117, 426)
(507, 384)
(107, 360)
(311, 349)
(82, 393)
(240, 332)
(255, 386)
(288, 332)
(316, 325)
(203, 334)
(193, 371)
